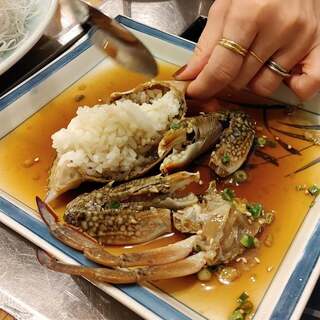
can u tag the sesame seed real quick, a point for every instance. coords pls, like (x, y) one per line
(253, 278)
(242, 259)
(257, 259)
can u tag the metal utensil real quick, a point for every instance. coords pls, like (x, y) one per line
(114, 39)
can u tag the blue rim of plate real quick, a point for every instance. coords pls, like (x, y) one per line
(298, 279)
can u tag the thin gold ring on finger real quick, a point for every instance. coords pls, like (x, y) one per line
(256, 56)
(277, 68)
(233, 46)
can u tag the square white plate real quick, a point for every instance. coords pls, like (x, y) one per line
(299, 270)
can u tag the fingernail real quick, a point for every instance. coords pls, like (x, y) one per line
(179, 71)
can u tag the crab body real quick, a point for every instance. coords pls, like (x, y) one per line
(141, 210)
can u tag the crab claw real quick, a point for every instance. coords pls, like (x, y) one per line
(235, 143)
(187, 139)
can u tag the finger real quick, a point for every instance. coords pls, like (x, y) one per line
(267, 80)
(307, 84)
(209, 37)
(224, 65)
(263, 49)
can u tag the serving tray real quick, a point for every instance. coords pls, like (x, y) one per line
(291, 282)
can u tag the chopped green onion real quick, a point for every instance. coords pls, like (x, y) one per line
(261, 142)
(244, 308)
(314, 190)
(204, 274)
(175, 125)
(228, 194)
(269, 216)
(225, 159)
(256, 242)
(240, 176)
(243, 297)
(236, 315)
(115, 205)
(255, 209)
(247, 241)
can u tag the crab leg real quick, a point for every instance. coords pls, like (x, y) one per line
(66, 234)
(177, 269)
(158, 256)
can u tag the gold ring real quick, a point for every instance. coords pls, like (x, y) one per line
(277, 68)
(256, 56)
(233, 46)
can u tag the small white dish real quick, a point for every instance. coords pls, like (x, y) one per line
(36, 28)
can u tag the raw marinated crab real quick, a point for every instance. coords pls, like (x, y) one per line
(141, 210)
(130, 149)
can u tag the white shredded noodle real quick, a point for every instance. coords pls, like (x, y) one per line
(14, 17)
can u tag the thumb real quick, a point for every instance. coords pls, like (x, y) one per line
(209, 37)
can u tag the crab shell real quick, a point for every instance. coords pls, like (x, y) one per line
(62, 179)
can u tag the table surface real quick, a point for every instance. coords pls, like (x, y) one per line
(29, 291)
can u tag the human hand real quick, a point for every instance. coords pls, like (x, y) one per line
(287, 31)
